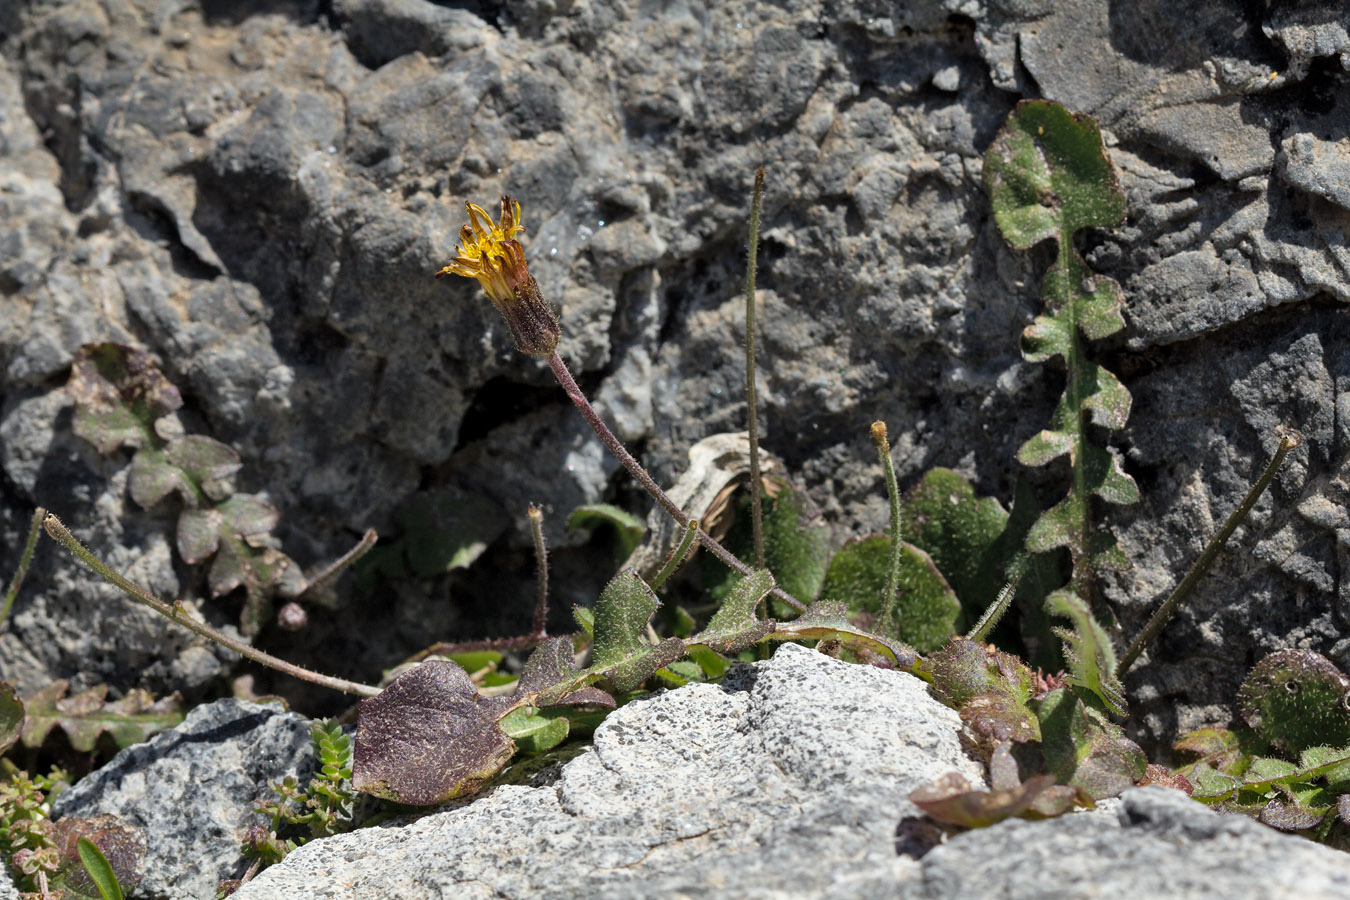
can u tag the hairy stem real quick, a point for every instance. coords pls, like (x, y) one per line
(62, 535)
(1288, 441)
(893, 493)
(25, 560)
(541, 571)
(569, 385)
(993, 613)
(752, 417)
(335, 568)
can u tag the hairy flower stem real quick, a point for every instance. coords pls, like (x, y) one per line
(62, 535)
(752, 416)
(34, 530)
(893, 494)
(1288, 441)
(541, 571)
(569, 385)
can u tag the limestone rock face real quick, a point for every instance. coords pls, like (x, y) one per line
(259, 194)
(790, 781)
(787, 780)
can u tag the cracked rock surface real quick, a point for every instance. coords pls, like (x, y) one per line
(790, 781)
(258, 193)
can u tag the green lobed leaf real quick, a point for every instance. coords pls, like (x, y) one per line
(1296, 699)
(1088, 650)
(621, 615)
(428, 737)
(201, 458)
(245, 515)
(736, 624)
(927, 611)
(1048, 176)
(88, 715)
(152, 478)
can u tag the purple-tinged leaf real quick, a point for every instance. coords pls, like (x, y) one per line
(118, 393)
(1162, 776)
(121, 843)
(1288, 814)
(995, 717)
(951, 799)
(964, 669)
(551, 678)
(429, 737)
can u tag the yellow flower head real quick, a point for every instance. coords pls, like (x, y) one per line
(490, 253)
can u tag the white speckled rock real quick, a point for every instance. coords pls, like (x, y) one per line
(1159, 844)
(786, 781)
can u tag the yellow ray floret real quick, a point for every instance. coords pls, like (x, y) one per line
(490, 253)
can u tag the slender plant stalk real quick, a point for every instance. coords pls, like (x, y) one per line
(1288, 441)
(62, 535)
(993, 613)
(751, 416)
(569, 385)
(893, 493)
(541, 571)
(339, 565)
(34, 530)
(677, 557)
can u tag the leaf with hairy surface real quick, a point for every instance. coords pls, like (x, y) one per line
(429, 737)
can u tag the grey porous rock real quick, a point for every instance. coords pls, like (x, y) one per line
(787, 780)
(1159, 843)
(259, 193)
(790, 780)
(193, 789)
